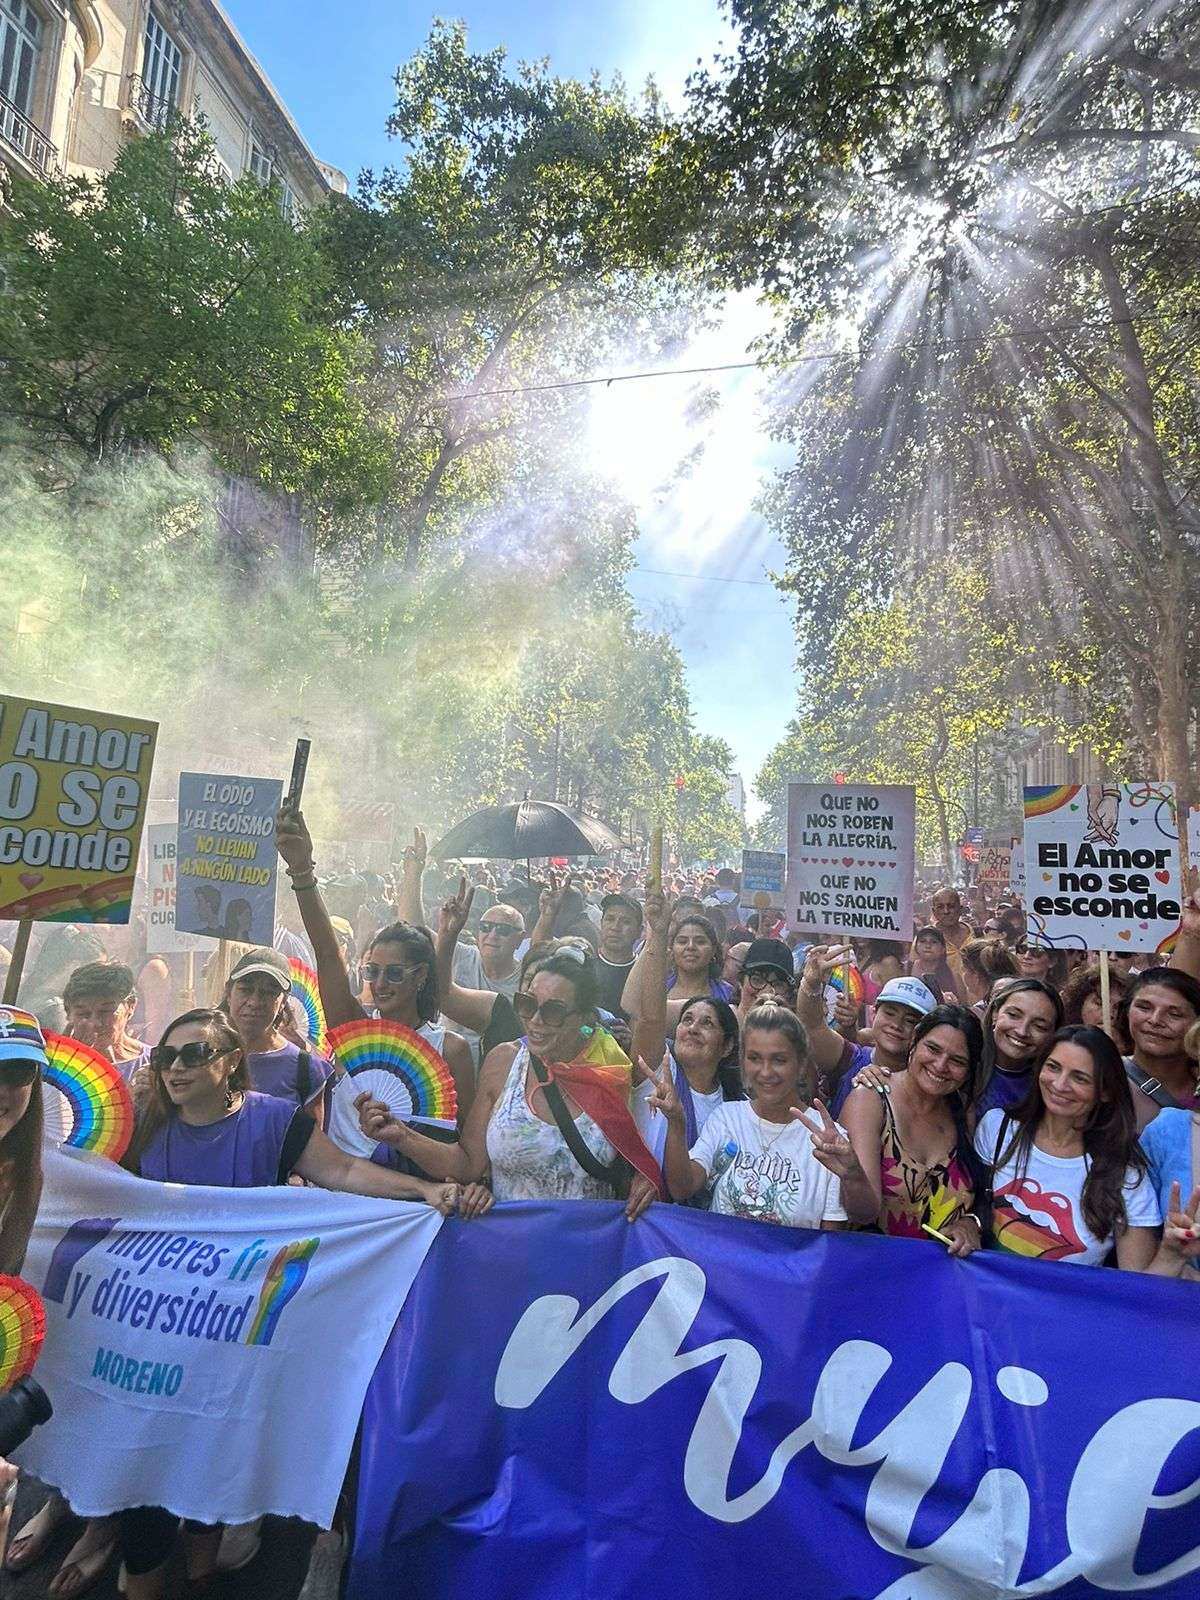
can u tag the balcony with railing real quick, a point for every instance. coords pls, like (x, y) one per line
(18, 132)
(152, 110)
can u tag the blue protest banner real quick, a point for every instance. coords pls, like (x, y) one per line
(574, 1407)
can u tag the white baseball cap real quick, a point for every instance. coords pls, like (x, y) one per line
(909, 992)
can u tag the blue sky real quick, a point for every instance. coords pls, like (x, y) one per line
(333, 64)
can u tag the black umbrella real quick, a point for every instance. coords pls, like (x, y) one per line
(525, 829)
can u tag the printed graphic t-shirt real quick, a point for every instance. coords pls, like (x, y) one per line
(1037, 1214)
(765, 1171)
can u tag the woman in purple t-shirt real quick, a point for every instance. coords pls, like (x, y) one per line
(205, 1125)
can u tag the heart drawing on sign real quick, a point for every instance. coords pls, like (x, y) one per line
(1163, 877)
(30, 880)
(847, 861)
(1125, 933)
(1047, 877)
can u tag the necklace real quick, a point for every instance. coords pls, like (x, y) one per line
(767, 1144)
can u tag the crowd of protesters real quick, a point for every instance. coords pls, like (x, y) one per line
(969, 1086)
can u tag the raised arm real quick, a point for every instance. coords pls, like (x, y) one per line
(826, 1046)
(409, 904)
(470, 1008)
(650, 1029)
(549, 904)
(294, 843)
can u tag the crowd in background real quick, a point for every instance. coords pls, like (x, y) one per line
(968, 1086)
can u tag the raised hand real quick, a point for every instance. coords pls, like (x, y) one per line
(845, 1013)
(658, 912)
(452, 918)
(830, 1145)
(551, 899)
(415, 855)
(1181, 1234)
(821, 962)
(665, 1098)
(294, 842)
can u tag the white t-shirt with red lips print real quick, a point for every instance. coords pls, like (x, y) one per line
(1036, 1213)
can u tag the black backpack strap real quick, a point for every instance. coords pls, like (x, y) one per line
(1150, 1087)
(617, 1175)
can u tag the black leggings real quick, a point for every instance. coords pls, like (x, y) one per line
(148, 1537)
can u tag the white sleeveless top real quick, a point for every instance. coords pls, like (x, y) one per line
(529, 1158)
(343, 1126)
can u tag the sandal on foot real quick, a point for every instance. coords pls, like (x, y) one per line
(28, 1546)
(84, 1562)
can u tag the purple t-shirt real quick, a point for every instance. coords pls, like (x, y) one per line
(277, 1072)
(1004, 1090)
(239, 1152)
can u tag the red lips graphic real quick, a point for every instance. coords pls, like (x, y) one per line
(1050, 1239)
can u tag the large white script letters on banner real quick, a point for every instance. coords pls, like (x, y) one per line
(980, 1556)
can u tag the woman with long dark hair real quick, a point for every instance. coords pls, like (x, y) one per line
(203, 1124)
(912, 1140)
(1018, 1025)
(1068, 1177)
(694, 969)
(399, 974)
(702, 1057)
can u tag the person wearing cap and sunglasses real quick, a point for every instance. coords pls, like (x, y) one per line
(399, 973)
(256, 1002)
(205, 1125)
(768, 977)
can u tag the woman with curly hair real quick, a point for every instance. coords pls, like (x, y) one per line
(1082, 1005)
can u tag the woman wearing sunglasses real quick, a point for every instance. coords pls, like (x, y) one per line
(205, 1125)
(551, 1115)
(399, 974)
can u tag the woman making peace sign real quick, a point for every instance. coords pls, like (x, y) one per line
(756, 1154)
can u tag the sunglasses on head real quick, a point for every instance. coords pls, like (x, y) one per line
(393, 972)
(196, 1054)
(552, 1012)
(18, 1074)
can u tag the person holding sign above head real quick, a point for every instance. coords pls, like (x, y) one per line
(1068, 1176)
(399, 971)
(912, 1139)
(205, 1125)
(766, 1159)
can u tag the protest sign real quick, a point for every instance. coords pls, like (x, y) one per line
(1016, 868)
(182, 1322)
(1102, 862)
(569, 1404)
(850, 858)
(162, 936)
(1194, 838)
(73, 792)
(764, 880)
(995, 865)
(227, 859)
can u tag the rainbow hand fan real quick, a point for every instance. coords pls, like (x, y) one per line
(396, 1066)
(305, 990)
(88, 1103)
(855, 990)
(22, 1329)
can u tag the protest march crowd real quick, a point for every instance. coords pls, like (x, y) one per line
(641, 1039)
